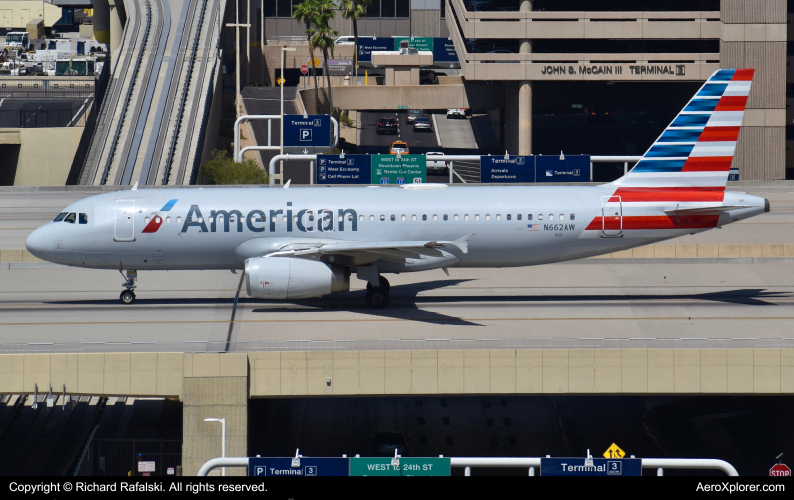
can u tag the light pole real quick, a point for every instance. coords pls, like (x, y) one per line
(223, 438)
(237, 26)
(283, 81)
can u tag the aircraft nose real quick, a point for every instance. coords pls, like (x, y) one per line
(37, 242)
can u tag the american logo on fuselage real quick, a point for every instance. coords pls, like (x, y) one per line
(259, 221)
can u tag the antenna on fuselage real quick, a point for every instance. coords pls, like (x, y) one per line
(135, 187)
(286, 186)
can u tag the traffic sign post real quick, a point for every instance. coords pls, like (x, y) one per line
(591, 467)
(347, 169)
(290, 466)
(779, 470)
(406, 467)
(399, 169)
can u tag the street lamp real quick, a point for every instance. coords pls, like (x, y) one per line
(283, 81)
(223, 438)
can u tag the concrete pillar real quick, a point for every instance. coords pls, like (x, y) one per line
(102, 21)
(215, 386)
(753, 35)
(525, 118)
(116, 23)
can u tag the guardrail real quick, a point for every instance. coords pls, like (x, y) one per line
(523, 462)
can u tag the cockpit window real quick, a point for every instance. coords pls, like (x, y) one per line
(83, 218)
(71, 218)
(60, 217)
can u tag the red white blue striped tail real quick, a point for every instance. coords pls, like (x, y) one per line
(696, 149)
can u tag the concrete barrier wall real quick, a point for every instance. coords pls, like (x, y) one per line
(227, 380)
(470, 95)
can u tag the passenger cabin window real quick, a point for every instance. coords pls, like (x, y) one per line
(435, 217)
(562, 217)
(529, 216)
(179, 219)
(540, 216)
(518, 216)
(168, 220)
(382, 217)
(71, 218)
(466, 217)
(424, 216)
(393, 217)
(456, 216)
(509, 216)
(402, 217)
(551, 216)
(446, 217)
(487, 216)
(498, 217)
(573, 216)
(146, 220)
(371, 217)
(361, 218)
(476, 216)
(413, 217)
(59, 217)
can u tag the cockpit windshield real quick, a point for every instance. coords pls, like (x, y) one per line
(60, 217)
(83, 218)
(71, 218)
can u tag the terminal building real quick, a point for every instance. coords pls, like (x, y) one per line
(599, 77)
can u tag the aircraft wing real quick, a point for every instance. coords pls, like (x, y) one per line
(704, 210)
(397, 250)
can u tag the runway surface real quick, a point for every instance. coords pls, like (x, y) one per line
(594, 305)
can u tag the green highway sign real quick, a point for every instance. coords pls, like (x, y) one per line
(399, 169)
(402, 106)
(418, 43)
(408, 467)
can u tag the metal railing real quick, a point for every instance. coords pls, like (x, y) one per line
(39, 88)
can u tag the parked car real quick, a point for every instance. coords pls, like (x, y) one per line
(422, 123)
(436, 166)
(413, 113)
(456, 113)
(387, 126)
(398, 147)
(384, 444)
(345, 40)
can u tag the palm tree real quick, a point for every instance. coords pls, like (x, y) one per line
(305, 12)
(353, 10)
(323, 37)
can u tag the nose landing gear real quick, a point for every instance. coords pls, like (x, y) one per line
(378, 296)
(128, 296)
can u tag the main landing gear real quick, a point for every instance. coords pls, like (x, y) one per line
(378, 296)
(128, 296)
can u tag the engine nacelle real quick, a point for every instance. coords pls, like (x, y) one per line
(292, 278)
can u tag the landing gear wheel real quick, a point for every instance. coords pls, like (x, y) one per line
(127, 297)
(384, 283)
(377, 298)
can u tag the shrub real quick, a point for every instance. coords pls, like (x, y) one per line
(223, 170)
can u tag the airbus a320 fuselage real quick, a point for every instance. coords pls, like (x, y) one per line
(306, 242)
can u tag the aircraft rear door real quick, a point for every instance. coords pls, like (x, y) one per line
(125, 221)
(611, 216)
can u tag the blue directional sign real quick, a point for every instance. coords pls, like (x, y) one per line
(282, 466)
(366, 45)
(599, 467)
(573, 168)
(507, 169)
(313, 131)
(444, 51)
(347, 169)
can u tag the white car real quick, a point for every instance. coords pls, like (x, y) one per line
(345, 40)
(456, 113)
(436, 166)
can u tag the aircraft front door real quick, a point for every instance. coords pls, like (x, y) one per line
(125, 220)
(611, 216)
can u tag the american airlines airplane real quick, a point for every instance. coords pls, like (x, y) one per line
(297, 243)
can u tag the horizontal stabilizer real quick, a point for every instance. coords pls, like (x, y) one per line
(704, 210)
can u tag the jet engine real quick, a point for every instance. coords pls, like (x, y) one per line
(292, 278)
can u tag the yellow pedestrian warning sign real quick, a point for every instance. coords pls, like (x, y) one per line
(316, 61)
(280, 81)
(614, 451)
